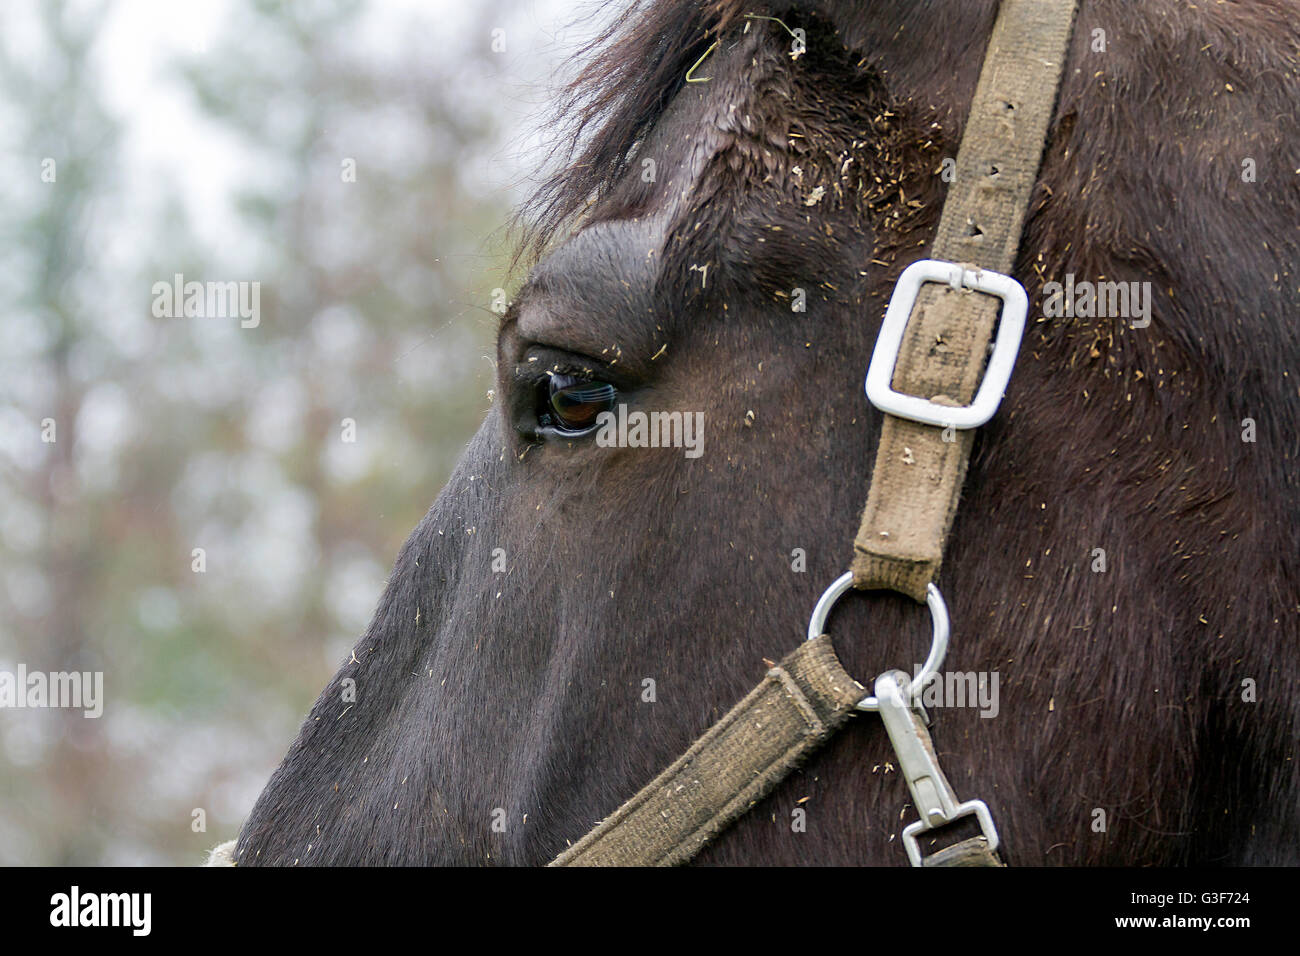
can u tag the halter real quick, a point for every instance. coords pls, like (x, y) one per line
(932, 399)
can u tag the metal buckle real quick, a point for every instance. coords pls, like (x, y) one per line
(938, 637)
(936, 803)
(1011, 327)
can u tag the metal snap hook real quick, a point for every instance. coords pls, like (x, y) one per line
(935, 801)
(938, 639)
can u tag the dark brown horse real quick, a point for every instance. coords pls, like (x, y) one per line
(500, 702)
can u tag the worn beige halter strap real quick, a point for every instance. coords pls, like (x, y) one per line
(929, 374)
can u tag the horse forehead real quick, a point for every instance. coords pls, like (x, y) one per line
(715, 146)
(709, 184)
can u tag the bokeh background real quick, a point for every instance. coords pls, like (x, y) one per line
(209, 138)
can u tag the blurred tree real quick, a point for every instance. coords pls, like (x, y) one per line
(52, 190)
(353, 140)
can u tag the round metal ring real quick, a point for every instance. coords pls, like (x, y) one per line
(938, 638)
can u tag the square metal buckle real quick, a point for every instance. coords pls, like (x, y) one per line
(1011, 327)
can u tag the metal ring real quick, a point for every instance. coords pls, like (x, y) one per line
(938, 638)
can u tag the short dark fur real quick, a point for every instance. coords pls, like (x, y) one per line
(1122, 691)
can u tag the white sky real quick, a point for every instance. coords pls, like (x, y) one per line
(144, 37)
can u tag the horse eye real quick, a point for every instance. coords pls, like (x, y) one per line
(571, 405)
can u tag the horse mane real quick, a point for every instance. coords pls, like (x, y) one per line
(635, 65)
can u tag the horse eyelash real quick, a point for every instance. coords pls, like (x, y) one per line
(534, 375)
(537, 372)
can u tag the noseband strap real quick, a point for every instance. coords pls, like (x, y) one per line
(800, 703)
